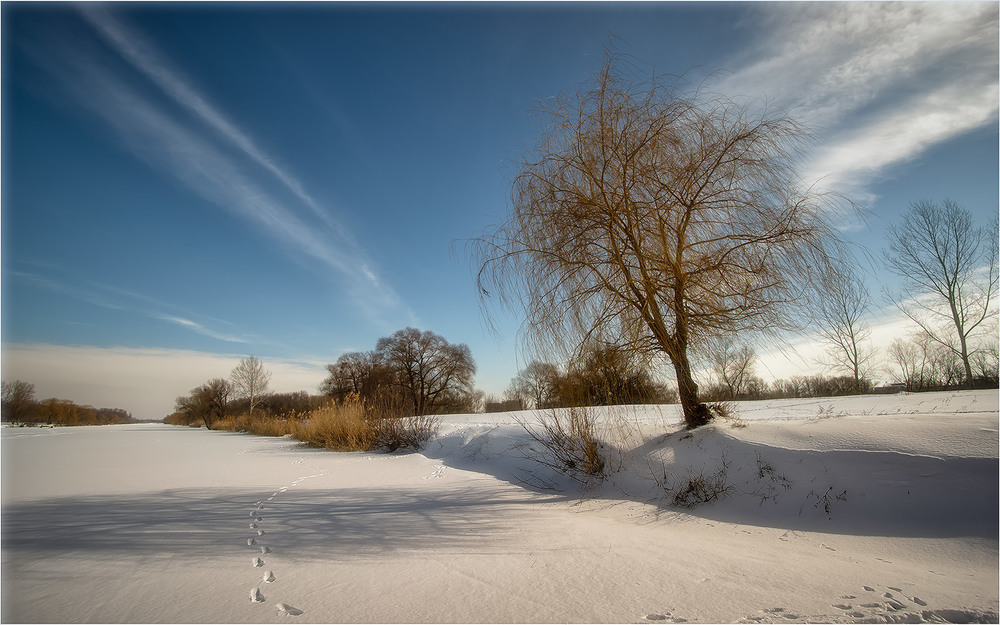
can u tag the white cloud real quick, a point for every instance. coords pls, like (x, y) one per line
(178, 146)
(143, 56)
(895, 136)
(200, 329)
(113, 298)
(141, 380)
(881, 81)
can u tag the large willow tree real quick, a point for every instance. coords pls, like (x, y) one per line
(659, 220)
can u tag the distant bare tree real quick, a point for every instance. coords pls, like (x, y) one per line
(250, 380)
(18, 400)
(910, 362)
(207, 402)
(949, 273)
(840, 311)
(733, 364)
(430, 371)
(536, 383)
(659, 218)
(363, 373)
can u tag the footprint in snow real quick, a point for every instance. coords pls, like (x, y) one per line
(261, 532)
(265, 549)
(257, 562)
(284, 608)
(656, 617)
(256, 596)
(894, 605)
(268, 577)
(253, 525)
(251, 542)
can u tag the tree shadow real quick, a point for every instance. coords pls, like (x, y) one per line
(304, 522)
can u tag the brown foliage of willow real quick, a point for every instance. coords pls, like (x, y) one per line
(656, 219)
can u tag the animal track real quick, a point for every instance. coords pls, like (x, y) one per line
(668, 617)
(255, 518)
(438, 472)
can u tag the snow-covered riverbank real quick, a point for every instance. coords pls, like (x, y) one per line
(874, 508)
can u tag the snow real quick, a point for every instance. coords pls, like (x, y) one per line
(872, 508)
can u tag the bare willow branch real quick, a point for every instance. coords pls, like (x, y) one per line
(657, 219)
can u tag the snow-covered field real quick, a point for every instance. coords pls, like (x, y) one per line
(873, 508)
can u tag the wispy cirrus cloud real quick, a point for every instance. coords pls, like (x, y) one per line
(200, 329)
(880, 81)
(115, 298)
(218, 165)
(144, 57)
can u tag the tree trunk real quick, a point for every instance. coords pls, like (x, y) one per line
(696, 414)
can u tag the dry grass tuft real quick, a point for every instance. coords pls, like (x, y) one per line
(571, 443)
(353, 424)
(357, 425)
(726, 411)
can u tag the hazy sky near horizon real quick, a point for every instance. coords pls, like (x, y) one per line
(186, 184)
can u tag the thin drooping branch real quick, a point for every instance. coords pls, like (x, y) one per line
(657, 220)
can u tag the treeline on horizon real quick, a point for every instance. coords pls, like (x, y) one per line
(19, 406)
(416, 373)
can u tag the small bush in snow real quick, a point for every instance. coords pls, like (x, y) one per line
(726, 411)
(570, 443)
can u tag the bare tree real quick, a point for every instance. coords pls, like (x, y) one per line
(840, 311)
(362, 373)
(949, 271)
(908, 362)
(18, 400)
(733, 365)
(207, 402)
(659, 218)
(250, 380)
(430, 371)
(536, 383)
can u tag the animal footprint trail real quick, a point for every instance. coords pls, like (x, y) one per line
(256, 596)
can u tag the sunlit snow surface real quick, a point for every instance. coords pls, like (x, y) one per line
(870, 509)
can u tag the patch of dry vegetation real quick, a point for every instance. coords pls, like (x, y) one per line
(353, 424)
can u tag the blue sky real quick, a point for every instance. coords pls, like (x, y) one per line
(186, 184)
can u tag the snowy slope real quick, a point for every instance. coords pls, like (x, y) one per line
(872, 509)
